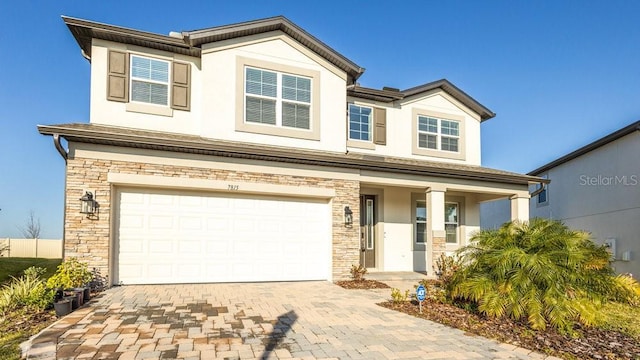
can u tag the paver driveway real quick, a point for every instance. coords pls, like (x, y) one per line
(307, 320)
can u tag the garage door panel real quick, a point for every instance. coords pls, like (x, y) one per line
(173, 237)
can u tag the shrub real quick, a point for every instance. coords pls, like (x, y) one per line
(71, 273)
(541, 271)
(446, 268)
(398, 296)
(27, 291)
(358, 272)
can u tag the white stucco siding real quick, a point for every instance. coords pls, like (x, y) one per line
(223, 85)
(116, 113)
(400, 133)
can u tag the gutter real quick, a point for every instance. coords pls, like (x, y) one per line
(61, 150)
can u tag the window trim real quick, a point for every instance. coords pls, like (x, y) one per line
(416, 150)
(277, 130)
(132, 78)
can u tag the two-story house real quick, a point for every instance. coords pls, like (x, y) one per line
(248, 152)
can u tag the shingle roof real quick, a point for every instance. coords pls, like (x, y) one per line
(120, 136)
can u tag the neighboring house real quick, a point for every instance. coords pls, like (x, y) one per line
(595, 188)
(243, 152)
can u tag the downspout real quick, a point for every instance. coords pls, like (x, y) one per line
(61, 151)
(538, 190)
(65, 156)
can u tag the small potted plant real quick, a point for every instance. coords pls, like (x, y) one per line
(71, 275)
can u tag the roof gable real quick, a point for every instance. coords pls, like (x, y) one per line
(390, 95)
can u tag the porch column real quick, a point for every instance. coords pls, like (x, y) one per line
(435, 224)
(520, 207)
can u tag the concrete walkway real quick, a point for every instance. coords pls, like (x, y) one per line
(303, 320)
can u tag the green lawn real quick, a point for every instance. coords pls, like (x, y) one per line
(15, 266)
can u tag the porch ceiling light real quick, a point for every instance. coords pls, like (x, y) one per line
(348, 217)
(87, 204)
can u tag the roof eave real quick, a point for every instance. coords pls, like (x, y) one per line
(270, 154)
(84, 31)
(448, 87)
(231, 31)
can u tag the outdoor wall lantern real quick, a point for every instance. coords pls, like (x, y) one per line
(87, 204)
(348, 217)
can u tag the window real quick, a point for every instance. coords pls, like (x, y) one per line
(421, 222)
(451, 222)
(149, 80)
(275, 98)
(438, 134)
(360, 122)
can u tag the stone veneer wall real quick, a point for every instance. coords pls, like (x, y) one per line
(439, 248)
(89, 239)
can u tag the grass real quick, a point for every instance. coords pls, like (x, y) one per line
(623, 318)
(15, 266)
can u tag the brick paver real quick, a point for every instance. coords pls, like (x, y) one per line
(299, 320)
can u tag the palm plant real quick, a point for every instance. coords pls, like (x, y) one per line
(540, 271)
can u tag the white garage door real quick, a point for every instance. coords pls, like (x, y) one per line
(181, 237)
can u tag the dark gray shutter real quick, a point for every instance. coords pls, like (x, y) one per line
(380, 129)
(118, 76)
(181, 86)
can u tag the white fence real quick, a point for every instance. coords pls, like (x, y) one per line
(35, 248)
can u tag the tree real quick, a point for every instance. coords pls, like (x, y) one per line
(540, 271)
(31, 229)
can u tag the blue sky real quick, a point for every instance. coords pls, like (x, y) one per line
(559, 74)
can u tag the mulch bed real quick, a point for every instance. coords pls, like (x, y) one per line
(592, 343)
(362, 284)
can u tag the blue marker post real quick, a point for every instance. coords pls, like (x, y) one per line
(421, 294)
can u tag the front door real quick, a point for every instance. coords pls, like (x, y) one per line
(367, 231)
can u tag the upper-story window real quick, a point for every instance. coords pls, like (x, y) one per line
(275, 98)
(360, 121)
(149, 80)
(148, 85)
(438, 134)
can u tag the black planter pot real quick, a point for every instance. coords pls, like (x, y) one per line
(87, 294)
(63, 307)
(80, 294)
(74, 301)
